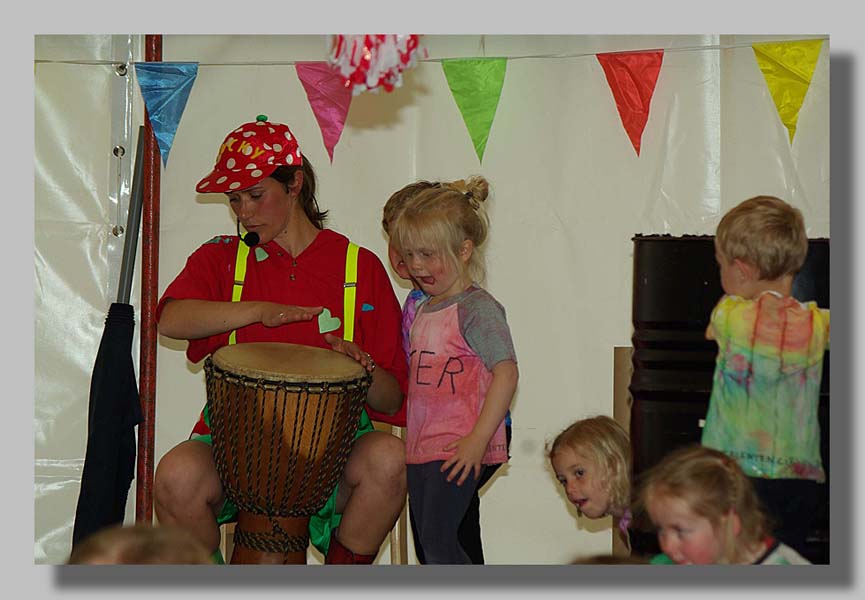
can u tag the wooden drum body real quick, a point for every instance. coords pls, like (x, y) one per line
(283, 419)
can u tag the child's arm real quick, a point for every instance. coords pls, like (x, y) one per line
(718, 311)
(825, 312)
(470, 450)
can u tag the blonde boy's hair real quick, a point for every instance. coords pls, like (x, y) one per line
(606, 443)
(713, 486)
(766, 232)
(140, 544)
(442, 218)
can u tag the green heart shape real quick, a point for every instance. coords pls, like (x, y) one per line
(326, 322)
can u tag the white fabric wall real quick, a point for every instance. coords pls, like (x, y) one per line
(569, 193)
(83, 109)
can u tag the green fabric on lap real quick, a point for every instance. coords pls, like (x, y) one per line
(323, 522)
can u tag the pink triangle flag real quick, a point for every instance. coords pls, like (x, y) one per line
(328, 97)
(632, 77)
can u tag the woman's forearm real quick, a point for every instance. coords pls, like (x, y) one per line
(188, 319)
(384, 394)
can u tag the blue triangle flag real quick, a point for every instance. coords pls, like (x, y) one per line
(165, 87)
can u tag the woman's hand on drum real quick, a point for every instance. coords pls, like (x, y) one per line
(467, 458)
(350, 349)
(274, 315)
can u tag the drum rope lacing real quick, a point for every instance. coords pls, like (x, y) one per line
(275, 541)
(304, 499)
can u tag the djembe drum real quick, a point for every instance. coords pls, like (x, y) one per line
(283, 419)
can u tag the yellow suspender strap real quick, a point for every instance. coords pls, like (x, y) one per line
(349, 292)
(239, 276)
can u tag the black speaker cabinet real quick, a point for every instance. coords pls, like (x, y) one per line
(676, 285)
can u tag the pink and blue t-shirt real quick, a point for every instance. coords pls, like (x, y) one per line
(454, 346)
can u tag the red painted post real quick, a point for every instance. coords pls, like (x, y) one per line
(149, 298)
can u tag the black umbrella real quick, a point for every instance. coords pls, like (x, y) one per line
(114, 409)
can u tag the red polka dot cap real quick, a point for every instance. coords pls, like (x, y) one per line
(249, 154)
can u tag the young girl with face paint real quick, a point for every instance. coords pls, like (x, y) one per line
(469, 533)
(706, 512)
(462, 364)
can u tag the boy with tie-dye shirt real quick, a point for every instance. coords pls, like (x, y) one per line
(765, 392)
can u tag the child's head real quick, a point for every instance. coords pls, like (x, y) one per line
(389, 213)
(446, 223)
(704, 507)
(138, 545)
(765, 233)
(592, 460)
(398, 200)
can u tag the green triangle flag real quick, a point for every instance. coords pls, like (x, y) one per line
(788, 68)
(476, 84)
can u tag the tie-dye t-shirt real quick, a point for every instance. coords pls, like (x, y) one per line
(454, 346)
(766, 387)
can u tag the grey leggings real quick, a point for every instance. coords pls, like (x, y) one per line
(438, 508)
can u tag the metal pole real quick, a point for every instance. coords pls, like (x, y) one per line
(149, 299)
(133, 224)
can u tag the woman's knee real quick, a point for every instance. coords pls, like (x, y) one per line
(390, 459)
(384, 458)
(185, 473)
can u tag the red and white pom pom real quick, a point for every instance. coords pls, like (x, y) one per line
(369, 62)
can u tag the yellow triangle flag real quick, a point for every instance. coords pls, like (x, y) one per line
(788, 68)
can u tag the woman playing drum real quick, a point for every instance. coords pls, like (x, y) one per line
(292, 287)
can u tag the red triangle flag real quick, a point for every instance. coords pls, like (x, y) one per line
(328, 97)
(632, 77)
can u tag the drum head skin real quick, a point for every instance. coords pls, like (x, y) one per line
(287, 362)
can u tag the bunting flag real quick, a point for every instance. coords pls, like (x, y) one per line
(165, 87)
(476, 85)
(329, 98)
(788, 68)
(632, 77)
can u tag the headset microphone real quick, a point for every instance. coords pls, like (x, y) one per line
(250, 239)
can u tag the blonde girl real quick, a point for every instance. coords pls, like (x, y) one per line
(462, 364)
(706, 512)
(592, 461)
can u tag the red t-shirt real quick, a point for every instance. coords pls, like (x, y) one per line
(313, 278)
